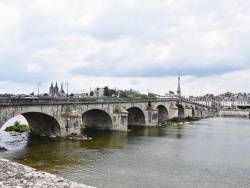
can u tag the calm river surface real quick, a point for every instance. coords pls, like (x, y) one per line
(214, 152)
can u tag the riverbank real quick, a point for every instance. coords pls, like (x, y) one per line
(234, 113)
(17, 175)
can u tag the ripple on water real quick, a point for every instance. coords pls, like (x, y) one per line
(211, 153)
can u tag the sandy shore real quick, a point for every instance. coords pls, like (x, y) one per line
(20, 176)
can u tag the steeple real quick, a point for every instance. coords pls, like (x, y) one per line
(56, 87)
(62, 91)
(179, 87)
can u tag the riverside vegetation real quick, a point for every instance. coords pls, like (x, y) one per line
(183, 120)
(18, 127)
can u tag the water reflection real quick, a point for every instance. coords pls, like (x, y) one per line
(171, 131)
(53, 154)
(211, 153)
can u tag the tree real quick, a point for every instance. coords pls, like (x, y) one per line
(123, 94)
(140, 95)
(91, 93)
(17, 123)
(111, 92)
(106, 91)
(151, 95)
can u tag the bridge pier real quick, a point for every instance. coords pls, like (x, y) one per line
(188, 111)
(70, 122)
(204, 113)
(173, 111)
(198, 113)
(70, 126)
(120, 119)
(151, 117)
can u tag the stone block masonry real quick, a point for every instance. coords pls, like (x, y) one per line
(241, 113)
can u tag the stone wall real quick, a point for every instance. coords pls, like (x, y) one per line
(241, 113)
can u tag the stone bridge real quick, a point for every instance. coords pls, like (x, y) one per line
(62, 117)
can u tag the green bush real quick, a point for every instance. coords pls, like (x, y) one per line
(17, 127)
(182, 120)
(177, 120)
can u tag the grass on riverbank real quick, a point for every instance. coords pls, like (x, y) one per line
(183, 120)
(17, 127)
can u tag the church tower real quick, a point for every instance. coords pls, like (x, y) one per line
(62, 91)
(56, 90)
(179, 87)
(51, 90)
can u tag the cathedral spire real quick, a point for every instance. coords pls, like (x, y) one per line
(179, 86)
(62, 91)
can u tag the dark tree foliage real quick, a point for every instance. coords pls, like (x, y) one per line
(123, 94)
(17, 127)
(91, 93)
(108, 92)
(140, 95)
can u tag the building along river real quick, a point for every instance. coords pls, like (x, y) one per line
(214, 152)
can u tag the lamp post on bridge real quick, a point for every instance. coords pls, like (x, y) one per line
(67, 88)
(38, 89)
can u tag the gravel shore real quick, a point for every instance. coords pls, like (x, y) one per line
(20, 176)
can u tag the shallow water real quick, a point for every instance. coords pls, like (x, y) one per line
(214, 152)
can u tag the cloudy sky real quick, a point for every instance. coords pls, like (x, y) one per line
(137, 44)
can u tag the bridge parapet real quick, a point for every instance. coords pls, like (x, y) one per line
(41, 101)
(197, 104)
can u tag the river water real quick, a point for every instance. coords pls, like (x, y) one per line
(214, 152)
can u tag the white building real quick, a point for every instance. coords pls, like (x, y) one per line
(99, 92)
(170, 94)
(227, 100)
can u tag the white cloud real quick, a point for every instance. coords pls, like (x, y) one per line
(33, 68)
(139, 44)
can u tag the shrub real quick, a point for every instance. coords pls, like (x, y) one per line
(187, 119)
(17, 127)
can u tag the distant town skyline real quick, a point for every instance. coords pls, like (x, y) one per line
(140, 45)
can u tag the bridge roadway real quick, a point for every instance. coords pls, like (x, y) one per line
(62, 117)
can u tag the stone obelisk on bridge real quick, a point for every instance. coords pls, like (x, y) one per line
(179, 86)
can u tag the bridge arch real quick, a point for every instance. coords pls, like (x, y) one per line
(163, 115)
(181, 113)
(97, 119)
(40, 123)
(193, 112)
(136, 116)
